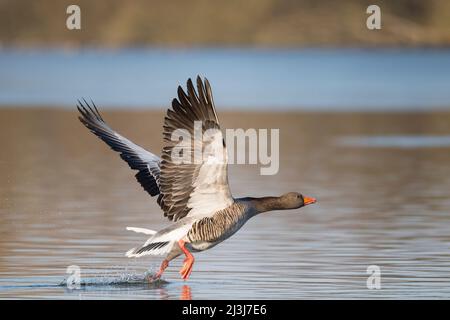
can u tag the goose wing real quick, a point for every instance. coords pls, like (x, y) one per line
(199, 186)
(147, 164)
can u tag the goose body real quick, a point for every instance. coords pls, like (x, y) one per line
(194, 195)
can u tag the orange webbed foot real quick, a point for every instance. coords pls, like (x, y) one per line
(188, 262)
(158, 275)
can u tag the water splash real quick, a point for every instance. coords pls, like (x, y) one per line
(120, 278)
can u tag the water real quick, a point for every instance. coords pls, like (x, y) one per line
(389, 79)
(65, 199)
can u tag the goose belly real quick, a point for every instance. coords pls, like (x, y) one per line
(201, 245)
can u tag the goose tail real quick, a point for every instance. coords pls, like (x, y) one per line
(153, 246)
(142, 230)
(156, 248)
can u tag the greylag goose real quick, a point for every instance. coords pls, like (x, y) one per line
(194, 196)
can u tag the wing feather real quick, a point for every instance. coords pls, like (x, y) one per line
(186, 189)
(137, 157)
(190, 189)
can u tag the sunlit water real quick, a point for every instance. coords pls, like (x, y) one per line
(66, 198)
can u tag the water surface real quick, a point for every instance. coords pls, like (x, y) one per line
(66, 198)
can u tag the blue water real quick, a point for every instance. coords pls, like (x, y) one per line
(318, 79)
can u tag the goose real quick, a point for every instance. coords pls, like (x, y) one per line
(195, 196)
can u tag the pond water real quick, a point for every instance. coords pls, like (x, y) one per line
(381, 179)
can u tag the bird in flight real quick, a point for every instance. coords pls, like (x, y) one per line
(194, 195)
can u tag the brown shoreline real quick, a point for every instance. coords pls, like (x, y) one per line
(268, 23)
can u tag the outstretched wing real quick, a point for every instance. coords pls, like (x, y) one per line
(137, 157)
(199, 187)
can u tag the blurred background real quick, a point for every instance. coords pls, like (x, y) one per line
(234, 23)
(364, 127)
(259, 54)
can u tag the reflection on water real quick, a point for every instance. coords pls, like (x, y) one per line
(65, 199)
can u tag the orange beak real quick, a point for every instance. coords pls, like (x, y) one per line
(308, 200)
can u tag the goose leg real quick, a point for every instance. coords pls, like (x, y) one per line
(188, 261)
(163, 267)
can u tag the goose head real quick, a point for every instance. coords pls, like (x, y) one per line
(288, 201)
(295, 200)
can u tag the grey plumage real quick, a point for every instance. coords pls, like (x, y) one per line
(194, 195)
(220, 225)
(173, 182)
(137, 157)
